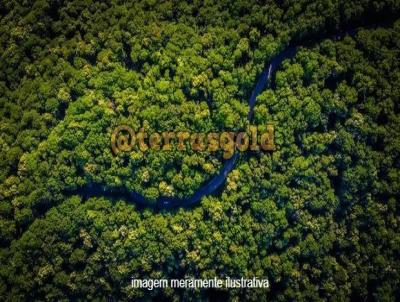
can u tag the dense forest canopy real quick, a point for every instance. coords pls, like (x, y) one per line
(319, 216)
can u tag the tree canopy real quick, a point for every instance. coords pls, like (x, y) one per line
(319, 216)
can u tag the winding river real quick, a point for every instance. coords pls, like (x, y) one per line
(216, 181)
(263, 81)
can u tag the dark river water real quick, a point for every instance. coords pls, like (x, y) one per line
(264, 80)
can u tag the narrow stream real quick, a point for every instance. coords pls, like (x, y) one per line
(264, 80)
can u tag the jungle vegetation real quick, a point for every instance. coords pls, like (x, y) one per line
(319, 217)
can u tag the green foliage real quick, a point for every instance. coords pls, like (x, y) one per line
(319, 216)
